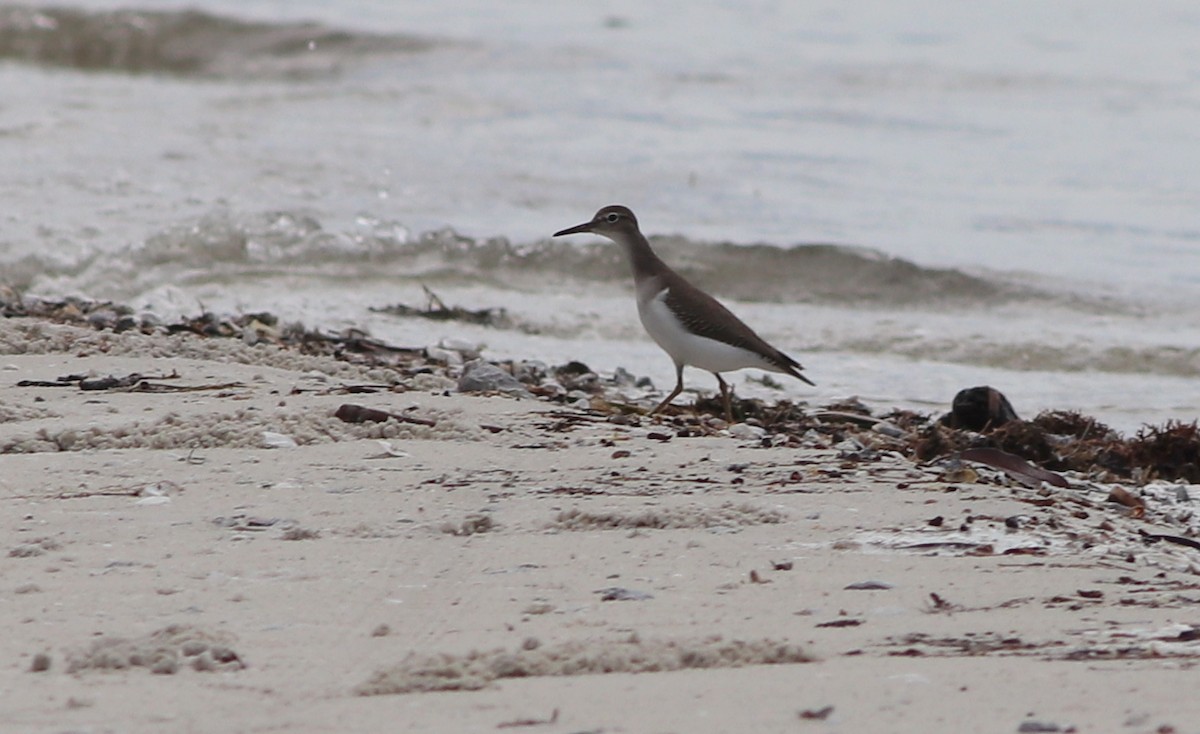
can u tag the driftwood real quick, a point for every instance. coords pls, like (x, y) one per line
(133, 382)
(437, 310)
(351, 413)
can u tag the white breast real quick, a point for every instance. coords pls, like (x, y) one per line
(687, 348)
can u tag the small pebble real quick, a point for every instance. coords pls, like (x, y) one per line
(204, 662)
(1028, 727)
(619, 593)
(746, 432)
(888, 429)
(193, 647)
(870, 586)
(273, 440)
(26, 550)
(223, 654)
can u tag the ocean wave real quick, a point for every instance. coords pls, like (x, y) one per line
(185, 43)
(225, 246)
(836, 298)
(1030, 355)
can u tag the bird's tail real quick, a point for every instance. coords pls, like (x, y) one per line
(794, 368)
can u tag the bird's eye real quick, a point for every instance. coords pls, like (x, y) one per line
(612, 218)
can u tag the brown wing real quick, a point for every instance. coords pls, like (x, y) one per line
(704, 315)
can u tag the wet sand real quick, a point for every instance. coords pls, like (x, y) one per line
(233, 557)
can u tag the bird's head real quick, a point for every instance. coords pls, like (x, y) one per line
(613, 222)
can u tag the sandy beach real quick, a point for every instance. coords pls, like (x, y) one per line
(208, 548)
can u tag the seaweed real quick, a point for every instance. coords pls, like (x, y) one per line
(1054, 440)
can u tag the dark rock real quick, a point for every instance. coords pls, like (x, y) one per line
(979, 409)
(480, 376)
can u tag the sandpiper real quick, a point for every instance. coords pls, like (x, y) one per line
(690, 325)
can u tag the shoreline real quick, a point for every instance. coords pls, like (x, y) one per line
(293, 558)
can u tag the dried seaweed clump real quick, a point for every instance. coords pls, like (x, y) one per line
(1026, 439)
(165, 652)
(727, 514)
(1170, 451)
(1070, 441)
(477, 669)
(1074, 424)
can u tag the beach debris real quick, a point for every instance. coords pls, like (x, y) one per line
(481, 376)
(728, 516)
(243, 522)
(40, 663)
(389, 451)
(437, 310)
(156, 493)
(840, 623)
(529, 721)
(351, 345)
(1056, 441)
(295, 532)
(862, 420)
(34, 548)
(869, 586)
(165, 651)
(620, 593)
(273, 440)
(255, 331)
(112, 382)
(1031, 726)
(1117, 642)
(1060, 441)
(1173, 450)
(531, 371)
(153, 500)
(473, 524)
(747, 432)
(576, 376)
(353, 413)
(631, 654)
(1178, 540)
(1122, 496)
(979, 409)
(889, 429)
(938, 604)
(820, 714)
(26, 550)
(1014, 466)
(133, 382)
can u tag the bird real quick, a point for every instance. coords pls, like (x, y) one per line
(691, 326)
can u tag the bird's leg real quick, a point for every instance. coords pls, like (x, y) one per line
(674, 393)
(725, 397)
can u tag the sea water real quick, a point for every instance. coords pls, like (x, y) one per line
(909, 197)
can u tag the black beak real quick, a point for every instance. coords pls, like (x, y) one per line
(578, 228)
